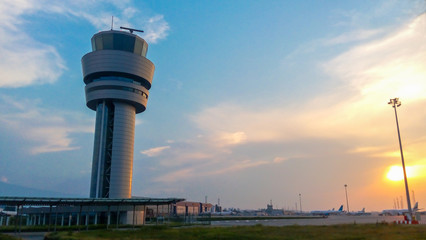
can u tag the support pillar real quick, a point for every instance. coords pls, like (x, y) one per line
(109, 217)
(118, 215)
(62, 219)
(87, 221)
(144, 214)
(78, 216)
(168, 213)
(133, 222)
(16, 218)
(96, 218)
(50, 216)
(56, 216)
(156, 216)
(69, 220)
(19, 215)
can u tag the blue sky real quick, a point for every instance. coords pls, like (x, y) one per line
(251, 100)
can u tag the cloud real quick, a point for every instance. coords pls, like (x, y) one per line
(351, 120)
(26, 61)
(176, 175)
(156, 28)
(4, 179)
(231, 138)
(44, 129)
(366, 76)
(353, 36)
(279, 159)
(155, 151)
(194, 172)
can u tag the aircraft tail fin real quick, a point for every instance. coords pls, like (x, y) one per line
(416, 207)
(341, 208)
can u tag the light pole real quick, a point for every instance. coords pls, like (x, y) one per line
(396, 103)
(347, 202)
(300, 200)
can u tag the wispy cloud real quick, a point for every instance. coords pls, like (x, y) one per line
(4, 179)
(156, 29)
(155, 151)
(353, 36)
(43, 129)
(279, 159)
(194, 172)
(26, 61)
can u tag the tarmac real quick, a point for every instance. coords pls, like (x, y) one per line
(330, 220)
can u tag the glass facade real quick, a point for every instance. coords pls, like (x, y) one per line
(115, 40)
(129, 89)
(115, 78)
(102, 151)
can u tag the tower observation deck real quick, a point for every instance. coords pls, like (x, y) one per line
(118, 76)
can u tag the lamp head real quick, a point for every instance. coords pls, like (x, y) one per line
(394, 102)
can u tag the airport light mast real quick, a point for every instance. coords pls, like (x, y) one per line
(300, 200)
(396, 103)
(347, 202)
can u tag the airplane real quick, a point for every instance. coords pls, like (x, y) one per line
(328, 212)
(397, 212)
(224, 213)
(359, 213)
(9, 210)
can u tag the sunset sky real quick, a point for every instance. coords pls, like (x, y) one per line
(251, 101)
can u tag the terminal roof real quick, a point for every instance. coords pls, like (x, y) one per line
(46, 201)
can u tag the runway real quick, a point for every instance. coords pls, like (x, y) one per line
(331, 220)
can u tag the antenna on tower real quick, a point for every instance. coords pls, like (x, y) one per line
(112, 22)
(131, 29)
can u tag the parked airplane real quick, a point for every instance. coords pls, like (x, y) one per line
(359, 213)
(9, 210)
(328, 212)
(223, 213)
(393, 212)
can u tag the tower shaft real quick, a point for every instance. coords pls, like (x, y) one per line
(117, 76)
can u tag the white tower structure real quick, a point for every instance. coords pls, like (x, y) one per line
(118, 76)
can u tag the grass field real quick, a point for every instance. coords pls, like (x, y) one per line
(6, 237)
(349, 231)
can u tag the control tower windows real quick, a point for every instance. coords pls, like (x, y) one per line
(122, 42)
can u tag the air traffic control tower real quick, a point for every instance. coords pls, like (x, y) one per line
(118, 76)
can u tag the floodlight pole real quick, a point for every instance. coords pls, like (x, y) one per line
(396, 103)
(347, 202)
(300, 200)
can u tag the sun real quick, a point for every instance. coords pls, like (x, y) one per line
(395, 173)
